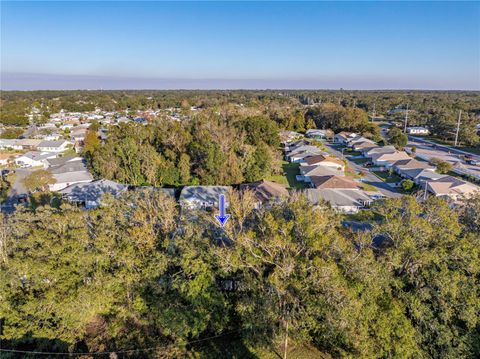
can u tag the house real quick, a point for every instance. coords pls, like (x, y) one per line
(266, 191)
(317, 134)
(343, 137)
(388, 159)
(332, 181)
(417, 131)
(29, 143)
(298, 157)
(89, 194)
(452, 188)
(411, 163)
(34, 159)
(289, 136)
(307, 172)
(53, 146)
(378, 150)
(364, 146)
(68, 171)
(341, 200)
(290, 146)
(324, 160)
(203, 197)
(358, 139)
(8, 144)
(420, 175)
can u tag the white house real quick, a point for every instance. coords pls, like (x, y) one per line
(53, 146)
(7, 144)
(417, 131)
(343, 137)
(34, 159)
(317, 134)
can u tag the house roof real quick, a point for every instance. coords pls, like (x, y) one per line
(265, 190)
(72, 177)
(205, 194)
(304, 154)
(337, 197)
(29, 142)
(321, 182)
(303, 149)
(319, 170)
(57, 143)
(421, 174)
(450, 185)
(62, 160)
(71, 166)
(379, 149)
(92, 191)
(36, 156)
(411, 163)
(322, 158)
(393, 157)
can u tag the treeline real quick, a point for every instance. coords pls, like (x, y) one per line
(132, 275)
(210, 150)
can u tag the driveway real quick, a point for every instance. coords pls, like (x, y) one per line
(16, 191)
(368, 178)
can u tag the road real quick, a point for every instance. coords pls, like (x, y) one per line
(444, 148)
(368, 178)
(426, 150)
(8, 206)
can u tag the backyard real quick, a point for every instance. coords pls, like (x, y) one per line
(385, 176)
(290, 171)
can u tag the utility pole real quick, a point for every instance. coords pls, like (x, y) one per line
(406, 120)
(425, 192)
(458, 127)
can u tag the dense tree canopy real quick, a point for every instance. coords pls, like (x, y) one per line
(131, 274)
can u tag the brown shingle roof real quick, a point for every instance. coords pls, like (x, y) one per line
(265, 190)
(321, 158)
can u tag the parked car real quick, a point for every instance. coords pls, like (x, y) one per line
(473, 162)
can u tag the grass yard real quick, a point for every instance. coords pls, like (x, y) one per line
(350, 152)
(385, 177)
(290, 171)
(359, 161)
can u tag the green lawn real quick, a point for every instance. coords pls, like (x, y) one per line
(290, 170)
(350, 152)
(359, 161)
(385, 176)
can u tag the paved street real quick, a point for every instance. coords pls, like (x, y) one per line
(426, 149)
(17, 189)
(369, 177)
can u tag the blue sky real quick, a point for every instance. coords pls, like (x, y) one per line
(364, 45)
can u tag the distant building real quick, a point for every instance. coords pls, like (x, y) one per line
(418, 131)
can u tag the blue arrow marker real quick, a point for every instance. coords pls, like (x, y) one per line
(222, 218)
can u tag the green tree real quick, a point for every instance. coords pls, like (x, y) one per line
(397, 138)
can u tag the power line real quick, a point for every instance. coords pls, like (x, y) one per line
(110, 352)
